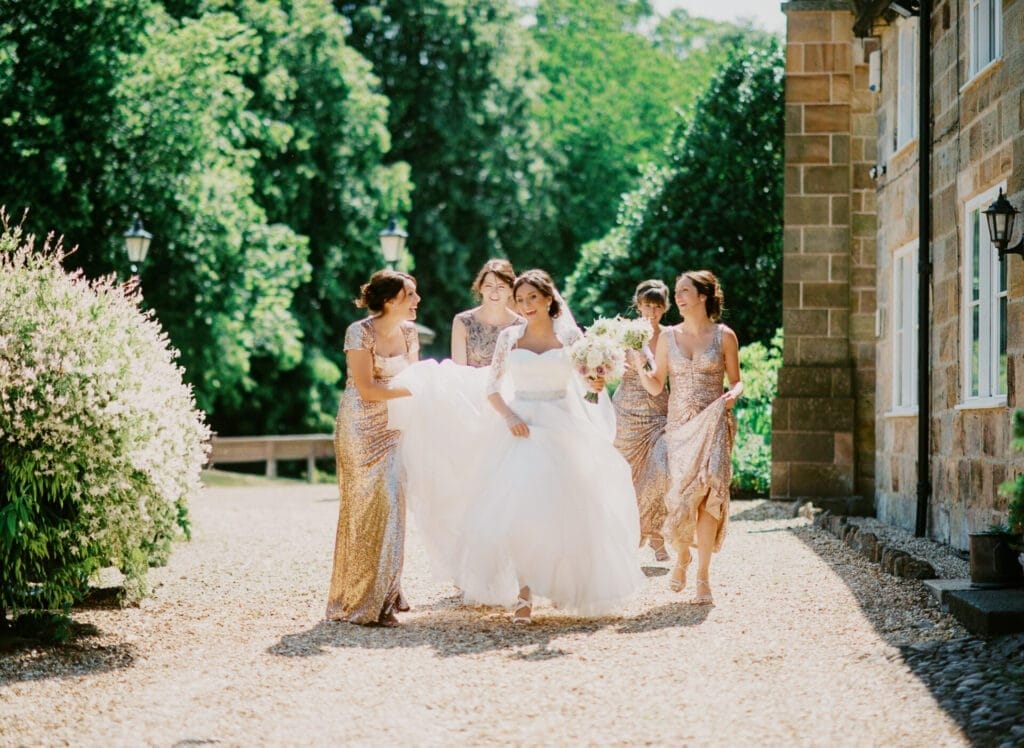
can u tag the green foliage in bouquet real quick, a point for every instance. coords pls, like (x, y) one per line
(101, 445)
(1014, 490)
(752, 455)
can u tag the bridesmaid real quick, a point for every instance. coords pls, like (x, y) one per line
(695, 356)
(369, 545)
(640, 424)
(475, 331)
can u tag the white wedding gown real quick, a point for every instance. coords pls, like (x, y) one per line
(555, 511)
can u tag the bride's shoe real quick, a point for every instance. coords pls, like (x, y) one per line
(523, 604)
(677, 582)
(703, 596)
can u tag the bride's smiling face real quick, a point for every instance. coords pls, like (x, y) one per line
(532, 303)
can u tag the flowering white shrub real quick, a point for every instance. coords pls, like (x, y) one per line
(101, 445)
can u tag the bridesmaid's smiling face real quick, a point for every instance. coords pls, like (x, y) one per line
(687, 297)
(495, 290)
(405, 303)
(532, 302)
(651, 311)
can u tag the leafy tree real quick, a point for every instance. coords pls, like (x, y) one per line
(223, 277)
(718, 205)
(59, 65)
(463, 82)
(619, 81)
(321, 136)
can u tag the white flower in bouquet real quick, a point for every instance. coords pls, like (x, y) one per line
(597, 357)
(635, 333)
(605, 327)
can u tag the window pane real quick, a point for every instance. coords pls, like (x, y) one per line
(975, 259)
(1001, 385)
(1003, 272)
(975, 37)
(975, 349)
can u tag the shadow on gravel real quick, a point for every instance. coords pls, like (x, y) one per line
(25, 660)
(464, 631)
(978, 682)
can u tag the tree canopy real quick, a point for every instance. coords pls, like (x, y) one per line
(717, 205)
(265, 144)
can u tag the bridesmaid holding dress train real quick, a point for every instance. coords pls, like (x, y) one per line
(369, 546)
(640, 424)
(695, 357)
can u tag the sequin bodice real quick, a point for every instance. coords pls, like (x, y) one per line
(481, 337)
(694, 382)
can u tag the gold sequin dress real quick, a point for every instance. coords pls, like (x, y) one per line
(640, 438)
(699, 434)
(369, 546)
(481, 338)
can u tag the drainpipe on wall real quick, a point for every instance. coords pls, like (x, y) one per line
(924, 268)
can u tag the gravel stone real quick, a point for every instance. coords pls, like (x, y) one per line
(808, 644)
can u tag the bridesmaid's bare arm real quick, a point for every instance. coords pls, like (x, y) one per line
(459, 353)
(731, 350)
(360, 375)
(654, 381)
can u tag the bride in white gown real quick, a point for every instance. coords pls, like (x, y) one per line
(536, 501)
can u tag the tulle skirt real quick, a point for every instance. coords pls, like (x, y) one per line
(555, 511)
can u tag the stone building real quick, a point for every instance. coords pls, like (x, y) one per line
(846, 417)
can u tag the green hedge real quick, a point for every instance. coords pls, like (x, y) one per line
(100, 442)
(752, 455)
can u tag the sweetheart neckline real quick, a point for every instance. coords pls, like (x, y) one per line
(549, 350)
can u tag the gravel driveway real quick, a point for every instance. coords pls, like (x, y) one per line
(806, 646)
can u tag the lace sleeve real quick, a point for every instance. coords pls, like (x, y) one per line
(569, 335)
(499, 364)
(358, 336)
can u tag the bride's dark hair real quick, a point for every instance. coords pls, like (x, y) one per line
(540, 280)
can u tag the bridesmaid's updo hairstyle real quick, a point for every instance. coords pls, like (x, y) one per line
(500, 269)
(384, 286)
(707, 285)
(652, 291)
(540, 280)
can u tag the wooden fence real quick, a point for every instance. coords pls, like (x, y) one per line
(226, 450)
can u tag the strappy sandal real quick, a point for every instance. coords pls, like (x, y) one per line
(677, 582)
(703, 596)
(660, 552)
(520, 604)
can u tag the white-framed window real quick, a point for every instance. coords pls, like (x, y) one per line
(986, 30)
(907, 82)
(904, 329)
(984, 310)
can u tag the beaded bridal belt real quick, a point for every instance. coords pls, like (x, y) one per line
(541, 395)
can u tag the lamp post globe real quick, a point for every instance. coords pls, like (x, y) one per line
(392, 242)
(136, 243)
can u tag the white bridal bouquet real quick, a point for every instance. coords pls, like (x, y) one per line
(599, 354)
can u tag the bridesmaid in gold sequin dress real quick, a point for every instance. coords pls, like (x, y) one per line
(695, 356)
(475, 331)
(369, 546)
(640, 424)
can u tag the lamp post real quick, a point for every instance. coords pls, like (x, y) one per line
(1001, 216)
(392, 241)
(136, 243)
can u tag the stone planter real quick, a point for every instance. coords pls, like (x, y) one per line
(994, 562)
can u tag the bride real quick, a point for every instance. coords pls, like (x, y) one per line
(529, 496)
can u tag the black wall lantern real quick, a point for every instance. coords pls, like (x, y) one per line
(1001, 216)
